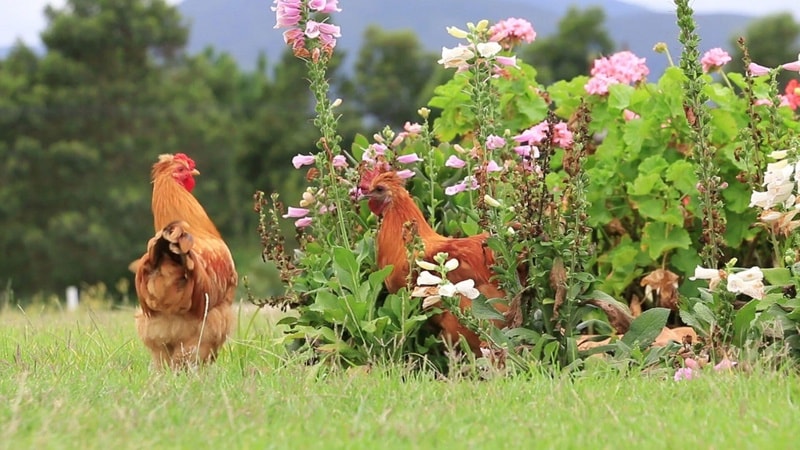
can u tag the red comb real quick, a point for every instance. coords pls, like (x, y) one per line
(189, 161)
(369, 173)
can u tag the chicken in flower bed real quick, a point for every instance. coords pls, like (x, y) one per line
(389, 200)
(186, 280)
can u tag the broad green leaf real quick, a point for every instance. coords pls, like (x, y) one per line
(777, 276)
(619, 96)
(658, 238)
(483, 310)
(645, 329)
(345, 267)
(742, 323)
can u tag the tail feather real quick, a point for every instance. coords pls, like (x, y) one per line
(163, 277)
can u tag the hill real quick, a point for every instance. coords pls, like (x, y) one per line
(244, 28)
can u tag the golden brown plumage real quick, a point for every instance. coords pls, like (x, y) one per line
(389, 199)
(186, 280)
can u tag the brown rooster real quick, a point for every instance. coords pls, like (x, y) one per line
(389, 200)
(186, 280)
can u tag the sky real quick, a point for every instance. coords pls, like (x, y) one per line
(25, 19)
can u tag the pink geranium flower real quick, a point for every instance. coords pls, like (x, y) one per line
(714, 59)
(511, 32)
(622, 67)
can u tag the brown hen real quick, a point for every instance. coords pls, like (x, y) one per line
(389, 200)
(186, 280)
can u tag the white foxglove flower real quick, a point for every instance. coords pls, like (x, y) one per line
(456, 57)
(778, 154)
(753, 288)
(778, 173)
(451, 264)
(702, 273)
(457, 32)
(426, 278)
(427, 265)
(751, 274)
(465, 288)
(489, 49)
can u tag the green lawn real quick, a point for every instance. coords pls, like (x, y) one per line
(82, 381)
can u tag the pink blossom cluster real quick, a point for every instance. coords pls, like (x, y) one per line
(291, 13)
(511, 32)
(714, 59)
(622, 67)
(535, 135)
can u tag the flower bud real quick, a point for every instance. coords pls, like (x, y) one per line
(457, 32)
(660, 47)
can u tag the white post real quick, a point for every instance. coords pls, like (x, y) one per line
(72, 298)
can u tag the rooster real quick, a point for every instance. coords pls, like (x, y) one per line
(186, 280)
(388, 199)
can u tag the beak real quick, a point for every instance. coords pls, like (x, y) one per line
(195, 172)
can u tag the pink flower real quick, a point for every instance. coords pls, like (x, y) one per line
(339, 161)
(685, 373)
(373, 151)
(622, 67)
(405, 174)
(316, 29)
(456, 188)
(534, 134)
(629, 115)
(408, 159)
(324, 6)
(763, 101)
(563, 137)
(794, 66)
(295, 213)
(511, 32)
(287, 13)
(598, 84)
(291, 36)
(494, 142)
(714, 59)
(412, 128)
(492, 166)
(527, 151)
(302, 160)
(725, 364)
(757, 70)
(506, 60)
(455, 162)
(304, 222)
(793, 94)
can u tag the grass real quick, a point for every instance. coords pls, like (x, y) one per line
(83, 380)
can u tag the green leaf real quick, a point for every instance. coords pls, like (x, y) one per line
(777, 276)
(742, 323)
(345, 267)
(483, 310)
(645, 329)
(658, 238)
(619, 96)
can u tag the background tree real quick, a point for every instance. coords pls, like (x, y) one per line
(392, 78)
(771, 40)
(581, 37)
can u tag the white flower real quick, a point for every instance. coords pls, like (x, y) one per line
(451, 264)
(701, 273)
(465, 288)
(456, 57)
(778, 154)
(752, 274)
(770, 216)
(426, 278)
(748, 282)
(778, 172)
(491, 201)
(427, 265)
(457, 32)
(489, 49)
(775, 194)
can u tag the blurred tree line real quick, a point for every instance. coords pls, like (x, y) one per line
(81, 125)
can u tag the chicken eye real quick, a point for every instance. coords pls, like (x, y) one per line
(379, 189)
